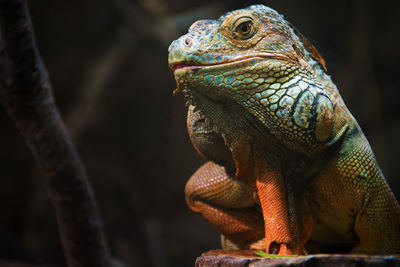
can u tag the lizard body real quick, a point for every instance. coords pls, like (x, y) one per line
(289, 171)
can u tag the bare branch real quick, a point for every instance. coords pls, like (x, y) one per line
(25, 93)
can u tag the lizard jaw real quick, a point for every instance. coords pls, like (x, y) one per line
(184, 67)
(184, 64)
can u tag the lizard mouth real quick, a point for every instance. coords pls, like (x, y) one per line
(183, 68)
(190, 65)
(184, 65)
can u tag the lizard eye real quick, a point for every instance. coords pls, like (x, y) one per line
(244, 28)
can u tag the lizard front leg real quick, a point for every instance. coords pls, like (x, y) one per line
(229, 205)
(287, 221)
(273, 198)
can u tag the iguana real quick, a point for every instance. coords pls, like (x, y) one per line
(289, 171)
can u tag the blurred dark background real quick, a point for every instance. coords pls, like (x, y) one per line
(107, 62)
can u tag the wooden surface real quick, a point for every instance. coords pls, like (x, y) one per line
(249, 258)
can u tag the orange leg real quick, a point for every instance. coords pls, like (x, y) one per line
(288, 224)
(278, 235)
(226, 203)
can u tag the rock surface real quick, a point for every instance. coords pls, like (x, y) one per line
(249, 258)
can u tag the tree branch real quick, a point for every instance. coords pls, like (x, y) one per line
(25, 93)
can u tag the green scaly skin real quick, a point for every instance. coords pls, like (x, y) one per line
(289, 170)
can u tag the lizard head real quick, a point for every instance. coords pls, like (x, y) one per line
(238, 39)
(254, 58)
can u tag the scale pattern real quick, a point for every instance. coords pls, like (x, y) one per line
(282, 96)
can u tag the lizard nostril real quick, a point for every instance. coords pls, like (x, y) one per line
(188, 42)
